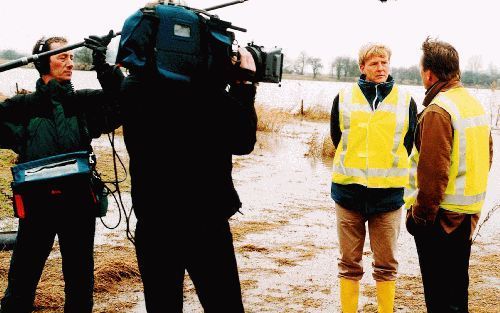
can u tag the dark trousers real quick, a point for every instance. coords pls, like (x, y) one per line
(205, 249)
(444, 264)
(35, 239)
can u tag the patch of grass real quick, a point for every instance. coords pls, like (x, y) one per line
(302, 252)
(316, 113)
(114, 266)
(410, 293)
(484, 288)
(320, 146)
(241, 230)
(115, 271)
(299, 299)
(7, 160)
(252, 248)
(261, 271)
(273, 299)
(247, 284)
(271, 120)
(285, 262)
(106, 169)
(119, 131)
(312, 303)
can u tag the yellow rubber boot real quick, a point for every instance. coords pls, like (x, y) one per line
(386, 291)
(349, 293)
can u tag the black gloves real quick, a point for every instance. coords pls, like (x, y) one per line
(99, 45)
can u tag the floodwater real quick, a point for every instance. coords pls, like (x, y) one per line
(285, 241)
(287, 95)
(287, 260)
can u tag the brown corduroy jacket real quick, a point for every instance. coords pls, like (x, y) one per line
(434, 140)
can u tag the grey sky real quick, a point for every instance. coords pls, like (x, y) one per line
(322, 28)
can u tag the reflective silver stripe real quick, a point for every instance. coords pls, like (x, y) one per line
(346, 115)
(388, 172)
(401, 112)
(475, 121)
(463, 200)
(370, 172)
(412, 184)
(456, 116)
(359, 107)
(460, 124)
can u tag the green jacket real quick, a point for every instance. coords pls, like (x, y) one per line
(56, 119)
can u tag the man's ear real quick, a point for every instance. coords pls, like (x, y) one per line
(431, 76)
(362, 68)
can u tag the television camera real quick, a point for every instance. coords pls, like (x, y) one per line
(188, 44)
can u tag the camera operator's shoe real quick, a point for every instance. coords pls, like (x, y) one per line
(349, 293)
(386, 291)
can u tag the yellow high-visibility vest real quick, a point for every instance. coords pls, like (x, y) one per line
(371, 150)
(410, 194)
(470, 152)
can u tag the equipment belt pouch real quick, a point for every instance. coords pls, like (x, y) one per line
(100, 196)
(49, 177)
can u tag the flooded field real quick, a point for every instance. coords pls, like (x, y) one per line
(285, 240)
(288, 95)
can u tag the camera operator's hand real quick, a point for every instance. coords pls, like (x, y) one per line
(99, 46)
(246, 60)
(247, 64)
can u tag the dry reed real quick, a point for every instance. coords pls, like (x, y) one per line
(320, 146)
(271, 119)
(113, 267)
(315, 113)
(7, 160)
(115, 272)
(241, 230)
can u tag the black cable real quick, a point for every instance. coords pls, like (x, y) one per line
(114, 183)
(128, 232)
(116, 193)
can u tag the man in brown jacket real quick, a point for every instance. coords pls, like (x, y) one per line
(453, 150)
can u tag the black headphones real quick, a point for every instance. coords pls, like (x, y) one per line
(42, 64)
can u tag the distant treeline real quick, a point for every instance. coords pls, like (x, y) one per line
(340, 69)
(346, 69)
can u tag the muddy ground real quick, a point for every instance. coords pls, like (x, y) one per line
(285, 241)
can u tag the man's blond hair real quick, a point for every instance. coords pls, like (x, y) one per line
(373, 49)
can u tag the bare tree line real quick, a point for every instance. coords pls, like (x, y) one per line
(341, 68)
(344, 68)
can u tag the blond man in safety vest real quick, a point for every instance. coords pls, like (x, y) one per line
(451, 162)
(372, 128)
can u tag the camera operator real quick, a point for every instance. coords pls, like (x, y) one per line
(53, 120)
(183, 198)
